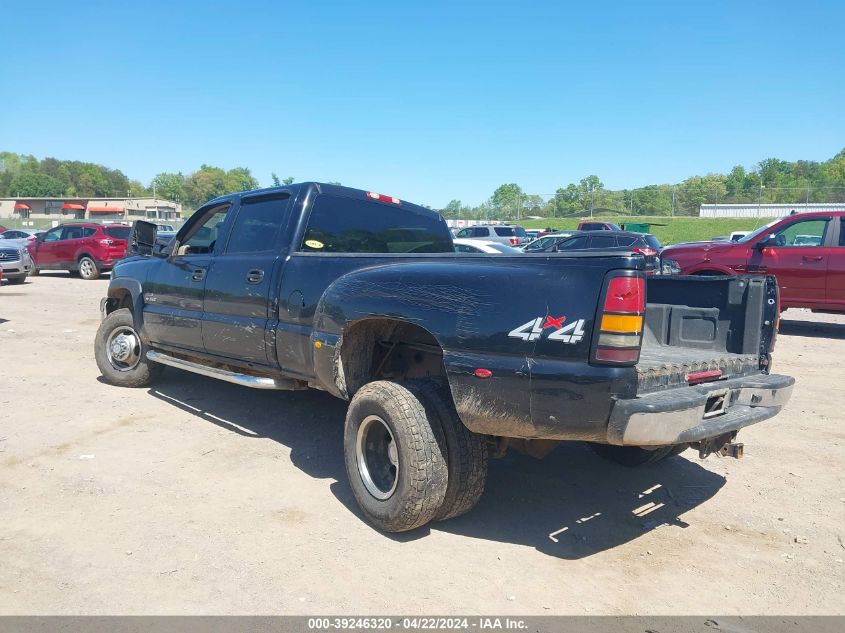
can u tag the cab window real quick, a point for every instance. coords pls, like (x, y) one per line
(257, 225)
(202, 237)
(803, 233)
(338, 224)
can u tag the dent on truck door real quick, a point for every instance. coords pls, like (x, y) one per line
(173, 293)
(240, 288)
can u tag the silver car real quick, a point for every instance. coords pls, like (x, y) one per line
(509, 234)
(15, 261)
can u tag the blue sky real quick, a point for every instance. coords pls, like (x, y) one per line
(428, 101)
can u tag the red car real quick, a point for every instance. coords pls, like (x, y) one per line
(86, 248)
(805, 251)
(598, 226)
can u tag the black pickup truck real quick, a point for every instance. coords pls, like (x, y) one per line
(447, 359)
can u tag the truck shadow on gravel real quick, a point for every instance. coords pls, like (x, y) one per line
(813, 329)
(572, 504)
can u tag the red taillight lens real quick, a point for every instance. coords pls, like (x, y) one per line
(625, 294)
(620, 324)
(646, 251)
(514, 241)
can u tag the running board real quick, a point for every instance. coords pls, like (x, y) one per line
(256, 382)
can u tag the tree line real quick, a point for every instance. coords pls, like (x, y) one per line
(771, 180)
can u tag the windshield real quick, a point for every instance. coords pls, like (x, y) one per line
(757, 232)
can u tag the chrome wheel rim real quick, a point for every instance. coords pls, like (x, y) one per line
(123, 348)
(86, 267)
(378, 457)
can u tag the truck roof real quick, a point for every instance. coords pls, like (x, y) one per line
(337, 190)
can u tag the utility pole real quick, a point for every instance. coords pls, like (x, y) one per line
(760, 198)
(673, 203)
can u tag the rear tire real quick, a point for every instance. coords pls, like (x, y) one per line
(120, 354)
(395, 461)
(634, 456)
(466, 454)
(88, 268)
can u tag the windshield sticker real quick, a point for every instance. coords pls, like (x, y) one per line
(553, 326)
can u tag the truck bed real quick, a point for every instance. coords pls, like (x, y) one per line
(693, 326)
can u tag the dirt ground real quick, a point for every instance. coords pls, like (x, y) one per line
(202, 497)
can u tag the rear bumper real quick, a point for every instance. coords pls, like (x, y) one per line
(677, 416)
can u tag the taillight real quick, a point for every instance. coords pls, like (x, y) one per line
(619, 325)
(106, 242)
(514, 241)
(646, 251)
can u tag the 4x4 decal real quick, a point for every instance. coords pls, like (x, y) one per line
(531, 331)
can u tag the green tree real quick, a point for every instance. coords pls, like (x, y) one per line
(240, 179)
(203, 185)
(169, 186)
(275, 179)
(288, 181)
(588, 188)
(36, 186)
(504, 201)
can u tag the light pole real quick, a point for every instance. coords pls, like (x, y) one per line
(760, 198)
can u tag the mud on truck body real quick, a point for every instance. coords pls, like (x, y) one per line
(361, 295)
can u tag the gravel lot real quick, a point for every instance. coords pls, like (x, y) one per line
(202, 497)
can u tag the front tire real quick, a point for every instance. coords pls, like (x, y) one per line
(395, 456)
(120, 354)
(88, 269)
(634, 456)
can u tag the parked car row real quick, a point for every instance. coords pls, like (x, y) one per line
(84, 248)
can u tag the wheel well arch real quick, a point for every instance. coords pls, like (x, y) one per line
(117, 299)
(386, 348)
(82, 254)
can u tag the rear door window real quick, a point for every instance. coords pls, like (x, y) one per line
(481, 232)
(504, 231)
(350, 225)
(258, 223)
(602, 241)
(72, 233)
(574, 243)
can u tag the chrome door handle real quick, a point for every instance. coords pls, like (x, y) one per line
(255, 276)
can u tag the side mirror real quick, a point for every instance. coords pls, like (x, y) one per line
(142, 238)
(769, 240)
